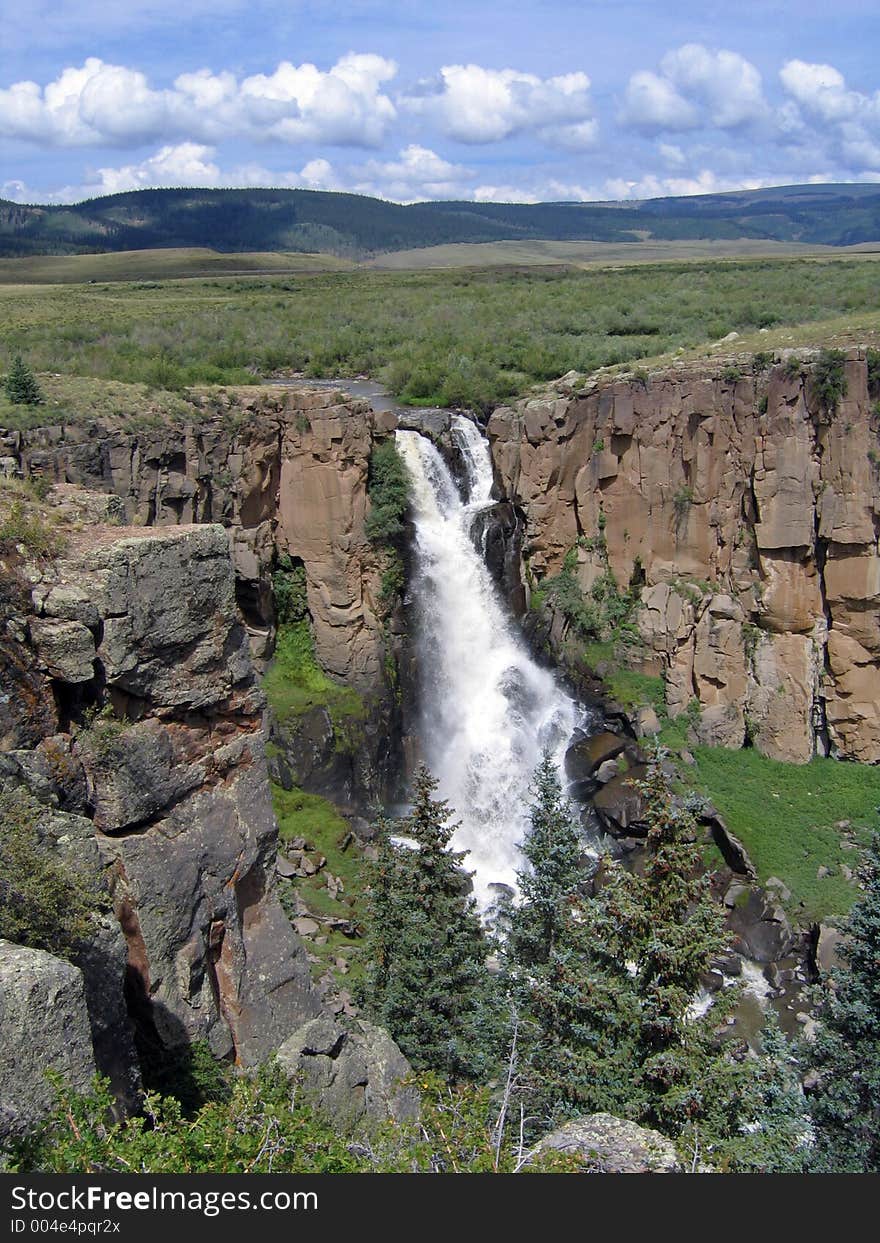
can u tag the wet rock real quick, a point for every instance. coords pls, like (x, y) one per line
(585, 756)
(606, 771)
(621, 807)
(760, 923)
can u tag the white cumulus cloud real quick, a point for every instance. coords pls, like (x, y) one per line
(472, 104)
(826, 113)
(696, 87)
(99, 104)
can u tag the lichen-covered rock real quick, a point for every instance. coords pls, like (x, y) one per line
(355, 1074)
(67, 648)
(44, 1026)
(609, 1145)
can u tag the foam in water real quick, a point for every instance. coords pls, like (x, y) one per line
(488, 710)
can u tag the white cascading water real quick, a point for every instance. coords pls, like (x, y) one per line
(488, 710)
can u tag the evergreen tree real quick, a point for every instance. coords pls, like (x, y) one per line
(845, 1105)
(553, 850)
(606, 987)
(427, 979)
(567, 974)
(776, 1139)
(20, 385)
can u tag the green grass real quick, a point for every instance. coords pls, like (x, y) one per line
(169, 263)
(785, 816)
(582, 253)
(80, 399)
(314, 818)
(295, 682)
(633, 690)
(470, 337)
(27, 522)
(783, 813)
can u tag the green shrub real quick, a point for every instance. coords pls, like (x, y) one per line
(388, 488)
(829, 379)
(43, 904)
(289, 590)
(295, 682)
(873, 357)
(23, 521)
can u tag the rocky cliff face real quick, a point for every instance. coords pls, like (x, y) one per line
(747, 513)
(156, 743)
(284, 471)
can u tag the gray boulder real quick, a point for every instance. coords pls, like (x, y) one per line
(44, 1026)
(353, 1073)
(609, 1145)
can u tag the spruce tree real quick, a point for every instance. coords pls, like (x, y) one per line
(20, 385)
(566, 972)
(427, 979)
(845, 1057)
(606, 986)
(548, 885)
(778, 1132)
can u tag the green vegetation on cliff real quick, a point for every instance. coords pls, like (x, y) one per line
(43, 904)
(295, 682)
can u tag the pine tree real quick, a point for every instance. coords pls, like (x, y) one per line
(566, 972)
(20, 385)
(607, 1009)
(845, 1105)
(553, 850)
(427, 979)
(776, 1139)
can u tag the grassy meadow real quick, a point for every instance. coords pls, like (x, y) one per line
(459, 337)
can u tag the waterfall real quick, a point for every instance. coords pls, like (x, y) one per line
(488, 710)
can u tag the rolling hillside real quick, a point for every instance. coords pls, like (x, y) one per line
(356, 227)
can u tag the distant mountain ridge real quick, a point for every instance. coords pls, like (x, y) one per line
(356, 226)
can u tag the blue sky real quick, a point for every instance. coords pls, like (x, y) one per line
(525, 100)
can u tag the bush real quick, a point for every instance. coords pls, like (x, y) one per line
(289, 588)
(388, 488)
(829, 380)
(42, 904)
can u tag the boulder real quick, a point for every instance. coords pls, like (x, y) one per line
(609, 1145)
(66, 648)
(621, 807)
(760, 923)
(353, 1073)
(44, 1026)
(585, 756)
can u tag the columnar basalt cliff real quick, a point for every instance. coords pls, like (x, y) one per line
(285, 471)
(747, 512)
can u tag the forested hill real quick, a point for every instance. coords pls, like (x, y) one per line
(357, 226)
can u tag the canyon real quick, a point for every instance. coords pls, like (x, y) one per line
(739, 506)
